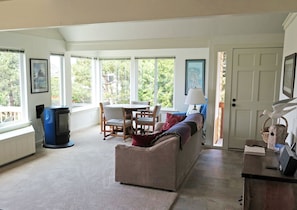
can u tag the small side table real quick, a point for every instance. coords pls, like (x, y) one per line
(266, 188)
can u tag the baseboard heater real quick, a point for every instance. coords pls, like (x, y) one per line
(17, 144)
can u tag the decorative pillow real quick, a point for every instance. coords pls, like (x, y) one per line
(171, 120)
(203, 110)
(143, 140)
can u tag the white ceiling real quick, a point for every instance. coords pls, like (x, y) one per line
(204, 27)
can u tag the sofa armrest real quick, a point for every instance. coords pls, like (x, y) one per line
(154, 166)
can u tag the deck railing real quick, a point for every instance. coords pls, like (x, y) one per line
(10, 113)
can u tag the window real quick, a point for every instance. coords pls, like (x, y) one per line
(115, 77)
(156, 80)
(81, 73)
(12, 106)
(57, 69)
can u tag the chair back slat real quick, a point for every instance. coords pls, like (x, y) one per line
(157, 110)
(103, 104)
(147, 118)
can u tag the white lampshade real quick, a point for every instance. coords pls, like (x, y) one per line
(195, 96)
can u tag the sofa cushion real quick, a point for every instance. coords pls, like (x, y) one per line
(143, 140)
(172, 119)
(161, 138)
(194, 120)
(194, 117)
(181, 130)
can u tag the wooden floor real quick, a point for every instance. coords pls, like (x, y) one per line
(214, 183)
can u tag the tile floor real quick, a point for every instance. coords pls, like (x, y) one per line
(215, 183)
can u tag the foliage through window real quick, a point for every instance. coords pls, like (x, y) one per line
(57, 67)
(115, 75)
(156, 80)
(11, 71)
(81, 73)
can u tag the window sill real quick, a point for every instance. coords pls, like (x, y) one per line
(13, 126)
(83, 108)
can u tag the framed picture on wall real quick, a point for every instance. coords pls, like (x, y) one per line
(289, 75)
(195, 74)
(39, 75)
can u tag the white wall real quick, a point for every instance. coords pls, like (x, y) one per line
(84, 118)
(290, 46)
(34, 47)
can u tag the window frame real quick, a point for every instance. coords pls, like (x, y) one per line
(62, 92)
(101, 60)
(156, 74)
(82, 106)
(13, 125)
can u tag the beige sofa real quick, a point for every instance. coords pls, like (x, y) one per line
(165, 164)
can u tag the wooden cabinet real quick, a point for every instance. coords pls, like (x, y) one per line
(265, 187)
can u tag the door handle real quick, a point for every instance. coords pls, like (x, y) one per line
(233, 104)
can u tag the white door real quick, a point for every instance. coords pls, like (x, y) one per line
(255, 86)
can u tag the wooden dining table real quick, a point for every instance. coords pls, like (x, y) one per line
(130, 107)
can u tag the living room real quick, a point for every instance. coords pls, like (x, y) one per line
(186, 44)
(41, 41)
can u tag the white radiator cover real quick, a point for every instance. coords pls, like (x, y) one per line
(17, 144)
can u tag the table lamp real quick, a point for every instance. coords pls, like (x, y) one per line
(195, 96)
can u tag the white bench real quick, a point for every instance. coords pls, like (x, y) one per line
(17, 144)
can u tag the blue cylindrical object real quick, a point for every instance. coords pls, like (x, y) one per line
(56, 129)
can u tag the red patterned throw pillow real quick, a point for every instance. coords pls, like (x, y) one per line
(143, 140)
(171, 120)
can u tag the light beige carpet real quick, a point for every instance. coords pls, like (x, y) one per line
(75, 178)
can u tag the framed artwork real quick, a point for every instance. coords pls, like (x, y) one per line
(195, 74)
(39, 75)
(289, 75)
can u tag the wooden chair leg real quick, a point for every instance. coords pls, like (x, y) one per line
(105, 130)
(104, 133)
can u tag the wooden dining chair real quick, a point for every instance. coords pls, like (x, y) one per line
(102, 104)
(147, 118)
(141, 103)
(116, 119)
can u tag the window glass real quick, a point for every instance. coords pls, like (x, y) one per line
(11, 104)
(81, 73)
(116, 80)
(57, 66)
(146, 80)
(155, 81)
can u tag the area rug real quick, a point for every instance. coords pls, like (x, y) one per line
(75, 178)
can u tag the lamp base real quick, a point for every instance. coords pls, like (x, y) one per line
(193, 111)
